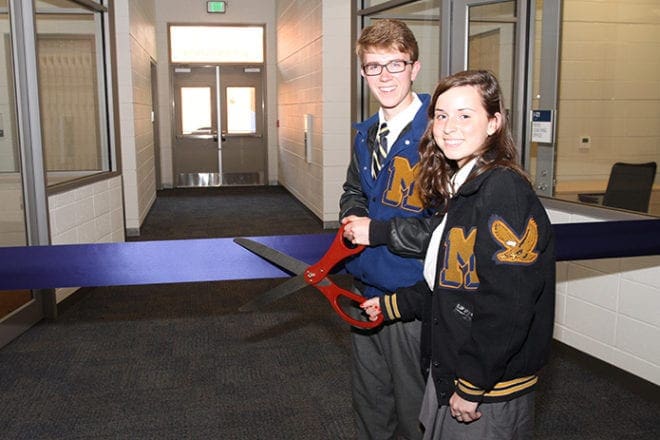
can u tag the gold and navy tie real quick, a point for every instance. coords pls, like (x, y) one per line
(380, 150)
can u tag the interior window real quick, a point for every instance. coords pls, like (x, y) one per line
(72, 90)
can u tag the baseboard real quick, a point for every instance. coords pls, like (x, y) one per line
(646, 389)
(73, 299)
(331, 225)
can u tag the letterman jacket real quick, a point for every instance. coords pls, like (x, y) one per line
(487, 324)
(391, 194)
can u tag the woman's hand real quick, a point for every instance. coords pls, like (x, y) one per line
(463, 410)
(371, 307)
(356, 229)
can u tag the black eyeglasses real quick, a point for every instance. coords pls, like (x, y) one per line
(394, 66)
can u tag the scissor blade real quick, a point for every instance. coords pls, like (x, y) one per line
(277, 292)
(276, 257)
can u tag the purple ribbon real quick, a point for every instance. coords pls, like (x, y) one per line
(220, 259)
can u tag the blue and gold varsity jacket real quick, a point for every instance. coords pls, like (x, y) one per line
(391, 194)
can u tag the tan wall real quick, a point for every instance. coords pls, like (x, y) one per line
(300, 79)
(136, 47)
(314, 53)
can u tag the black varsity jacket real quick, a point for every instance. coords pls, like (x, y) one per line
(487, 324)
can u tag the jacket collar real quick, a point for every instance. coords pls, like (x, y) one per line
(473, 183)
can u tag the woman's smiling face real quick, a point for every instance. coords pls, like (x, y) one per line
(461, 124)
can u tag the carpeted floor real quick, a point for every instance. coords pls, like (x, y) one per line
(179, 362)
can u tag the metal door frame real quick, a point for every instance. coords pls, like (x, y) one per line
(24, 69)
(548, 96)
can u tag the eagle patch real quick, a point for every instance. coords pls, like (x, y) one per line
(516, 248)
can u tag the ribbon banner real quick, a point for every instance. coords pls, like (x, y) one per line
(220, 259)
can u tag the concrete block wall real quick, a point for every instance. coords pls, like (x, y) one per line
(90, 214)
(609, 308)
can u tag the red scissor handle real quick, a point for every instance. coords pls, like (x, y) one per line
(338, 251)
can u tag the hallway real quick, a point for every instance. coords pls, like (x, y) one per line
(178, 361)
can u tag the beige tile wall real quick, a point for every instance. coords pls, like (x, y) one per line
(300, 92)
(314, 50)
(136, 47)
(89, 214)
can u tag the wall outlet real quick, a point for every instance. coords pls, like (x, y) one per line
(584, 143)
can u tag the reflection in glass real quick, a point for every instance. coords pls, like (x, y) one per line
(241, 117)
(196, 110)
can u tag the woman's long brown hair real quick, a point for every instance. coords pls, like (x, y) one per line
(499, 149)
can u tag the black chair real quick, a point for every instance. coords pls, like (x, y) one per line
(629, 187)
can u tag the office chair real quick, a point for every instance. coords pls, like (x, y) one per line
(629, 187)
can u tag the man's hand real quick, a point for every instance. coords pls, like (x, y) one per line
(356, 229)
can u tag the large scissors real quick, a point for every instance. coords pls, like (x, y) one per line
(315, 275)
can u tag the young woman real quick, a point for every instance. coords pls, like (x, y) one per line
(487, 302)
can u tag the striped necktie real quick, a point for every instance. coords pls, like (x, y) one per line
(380, 150)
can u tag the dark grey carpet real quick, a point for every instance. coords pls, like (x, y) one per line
(179, 362)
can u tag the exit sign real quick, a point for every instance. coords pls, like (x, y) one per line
(216, 7)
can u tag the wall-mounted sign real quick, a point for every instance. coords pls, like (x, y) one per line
(542, 126)
(216, 7)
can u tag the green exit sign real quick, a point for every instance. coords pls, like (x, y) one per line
(216, 7)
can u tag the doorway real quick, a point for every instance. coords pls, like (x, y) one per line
(219, 125)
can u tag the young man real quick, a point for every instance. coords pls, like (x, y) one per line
(387, 380)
